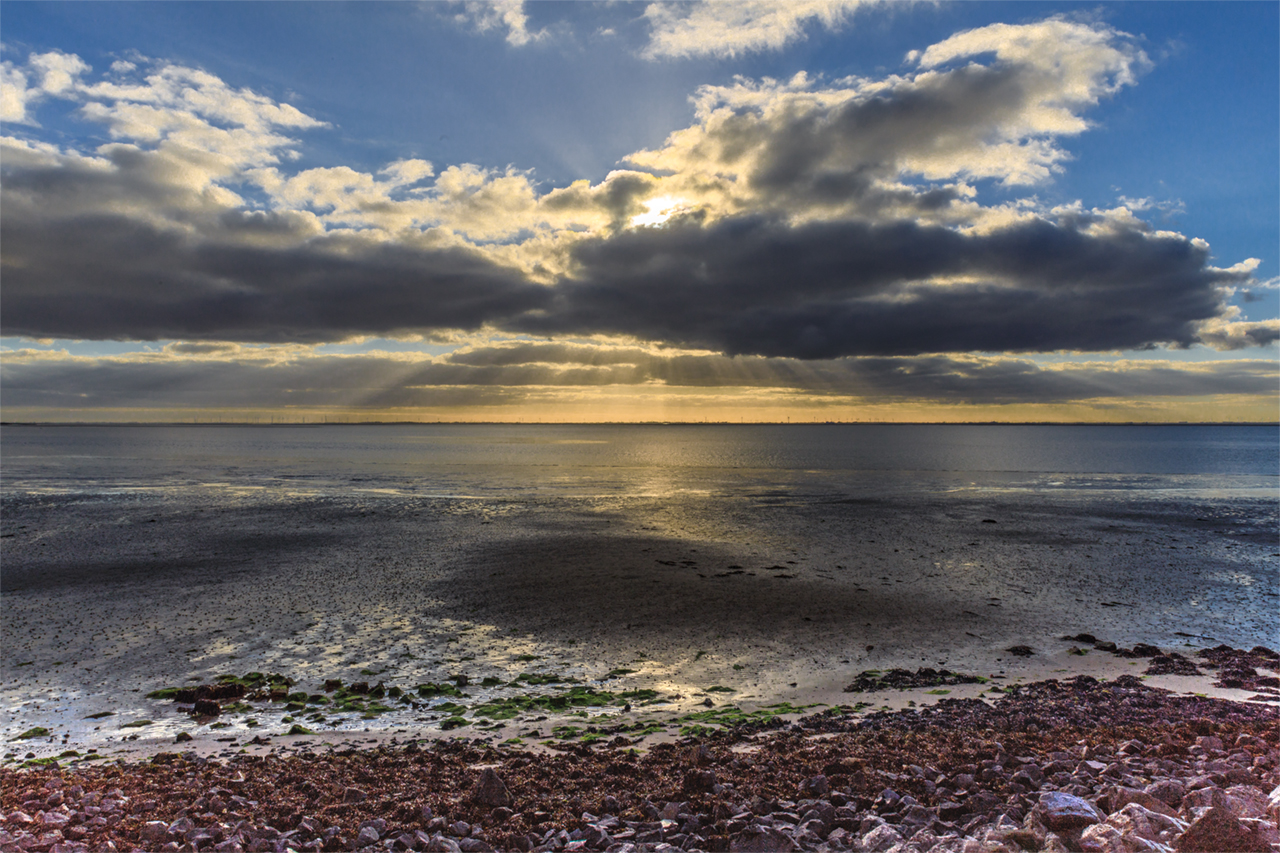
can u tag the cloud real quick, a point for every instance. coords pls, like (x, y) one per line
(849, 146)
(57, 72)
(14, 95)
(1224, 334)
(728, 29)
(792, 219)
(758, 285)
(233, 376)
(253, 276)
(506, 15)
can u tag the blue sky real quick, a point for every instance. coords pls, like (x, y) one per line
(1127, 134)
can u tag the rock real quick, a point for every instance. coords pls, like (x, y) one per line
(183, 737)
(1219, 830)
(1209, 743)
(822, 811)
(1061, 812)
(440, 844)
(761, 839)
(154, 832)
(368, 836)
(490, 790)
(597, 837)
(1118, 797)
(1053, 843)
(206, 708)
(1246, 801)
(1102, 838)
(1135, 821)
(816, 786)
(354, 795)
(699, 781)
(1168, 791)
(1171, 664)
(700, 755)
(1029, 775)
(880, 839)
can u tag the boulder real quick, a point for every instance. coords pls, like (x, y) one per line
(1246, 801)
(1218, 830)
(1134, 821)
(1061, 812)
(490, 790)
(1118, 797)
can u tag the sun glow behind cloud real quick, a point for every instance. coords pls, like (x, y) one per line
(659, 210)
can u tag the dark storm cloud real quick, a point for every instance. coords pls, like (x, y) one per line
(745, 285)
(752, 285)
(115, 277)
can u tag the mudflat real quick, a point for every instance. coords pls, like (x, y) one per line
(682, 600)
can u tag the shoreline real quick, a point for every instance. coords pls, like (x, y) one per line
(554, 713)
(1052, 765)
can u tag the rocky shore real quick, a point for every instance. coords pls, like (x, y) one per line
(1059, 765)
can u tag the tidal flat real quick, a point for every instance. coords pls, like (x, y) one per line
(559, 618)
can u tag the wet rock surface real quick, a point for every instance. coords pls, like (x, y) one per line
(1056, 766)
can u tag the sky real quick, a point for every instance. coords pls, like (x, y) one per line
(640, 211)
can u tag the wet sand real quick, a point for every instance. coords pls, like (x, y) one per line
(773, 597)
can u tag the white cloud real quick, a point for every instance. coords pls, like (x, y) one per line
(14, 95)
(1228, 333)
(509, 15)
(727, 28)
(405, 172)
(58, 72)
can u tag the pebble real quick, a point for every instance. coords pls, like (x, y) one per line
(1188, 795)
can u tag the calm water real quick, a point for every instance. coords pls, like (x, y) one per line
(577, 461)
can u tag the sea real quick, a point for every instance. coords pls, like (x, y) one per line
(532, 460)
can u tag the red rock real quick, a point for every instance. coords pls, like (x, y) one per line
(1218, 830)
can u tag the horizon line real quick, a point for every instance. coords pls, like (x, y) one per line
(204, 423)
